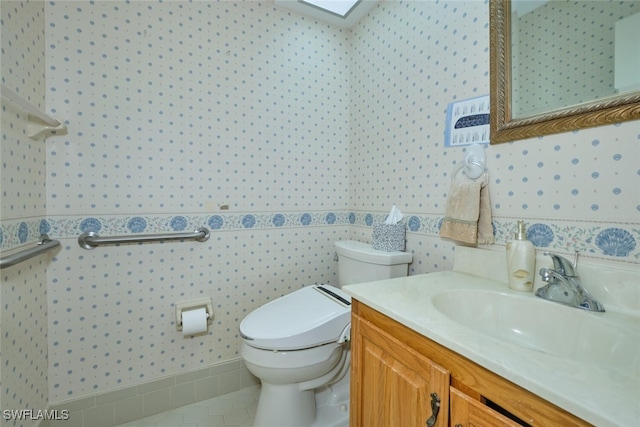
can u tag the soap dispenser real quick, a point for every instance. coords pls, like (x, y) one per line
(521, 261)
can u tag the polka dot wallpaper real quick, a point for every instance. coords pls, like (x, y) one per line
(23, 288)
(280, 134)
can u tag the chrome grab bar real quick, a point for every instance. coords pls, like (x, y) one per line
(45, 244)
(90, 240)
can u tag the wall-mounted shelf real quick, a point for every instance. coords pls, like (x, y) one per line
(39, 121)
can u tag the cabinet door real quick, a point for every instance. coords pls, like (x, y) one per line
(391, 384)
(467, 412)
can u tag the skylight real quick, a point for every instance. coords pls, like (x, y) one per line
(343, 13)
(338, 7)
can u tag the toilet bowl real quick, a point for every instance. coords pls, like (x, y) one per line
(296, 344)
(299, 343)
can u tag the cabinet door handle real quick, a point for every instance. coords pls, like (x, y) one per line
(435, 408)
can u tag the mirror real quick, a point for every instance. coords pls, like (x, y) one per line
(588, 84)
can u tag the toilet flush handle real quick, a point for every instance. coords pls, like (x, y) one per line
(345, 336)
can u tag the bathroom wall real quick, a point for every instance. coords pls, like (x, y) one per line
(307, 133)
(177, 111)
(23, 290)
(575, 191)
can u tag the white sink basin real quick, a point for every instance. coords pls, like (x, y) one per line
(610, 339)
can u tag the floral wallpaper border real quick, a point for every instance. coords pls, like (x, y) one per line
(614, 241)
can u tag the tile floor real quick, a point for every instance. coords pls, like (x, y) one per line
(238, 409)
(235, 409)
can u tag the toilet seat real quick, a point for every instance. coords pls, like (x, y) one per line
(309, 317)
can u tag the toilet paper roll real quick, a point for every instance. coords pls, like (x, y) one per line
(194, 321)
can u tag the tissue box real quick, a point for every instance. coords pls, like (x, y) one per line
(389, 237)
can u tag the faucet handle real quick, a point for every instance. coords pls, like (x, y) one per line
(562, 265)
(545, 274)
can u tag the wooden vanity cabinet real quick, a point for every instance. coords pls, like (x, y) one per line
(395, 372)
(394, 384)
(466, 411)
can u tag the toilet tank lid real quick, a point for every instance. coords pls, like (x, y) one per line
(364, 252)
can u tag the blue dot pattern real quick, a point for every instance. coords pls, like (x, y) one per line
(307, 132)
(23, 300)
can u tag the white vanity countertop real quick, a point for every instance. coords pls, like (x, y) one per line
(599, 394)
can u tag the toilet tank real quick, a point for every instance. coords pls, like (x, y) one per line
(359, 262)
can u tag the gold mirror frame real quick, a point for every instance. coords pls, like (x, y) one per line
(504, 128)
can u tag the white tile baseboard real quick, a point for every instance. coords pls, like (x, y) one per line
(132, 403)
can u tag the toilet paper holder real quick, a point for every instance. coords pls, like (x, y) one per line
(195, 304)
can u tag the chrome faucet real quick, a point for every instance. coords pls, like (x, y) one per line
(563, 285)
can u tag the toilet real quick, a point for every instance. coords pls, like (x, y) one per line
(298, 344)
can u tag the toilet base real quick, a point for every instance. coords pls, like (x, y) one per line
(299, 406)
(332, 405)
(325, 407)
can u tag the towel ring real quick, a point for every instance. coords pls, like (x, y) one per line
(473, 166)
(472, 170)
